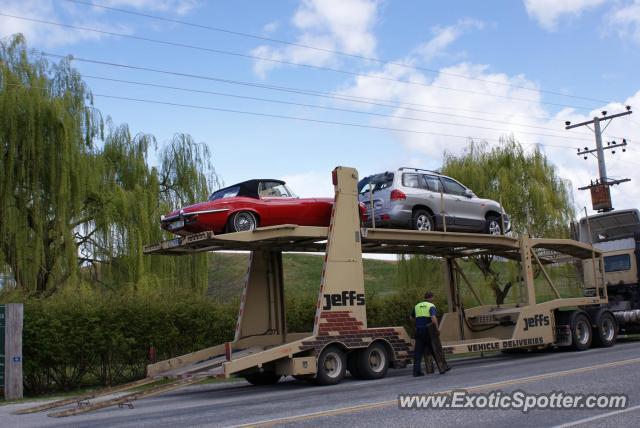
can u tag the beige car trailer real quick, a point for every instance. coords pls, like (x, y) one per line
(263, 351)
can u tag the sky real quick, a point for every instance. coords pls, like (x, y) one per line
(290, 89)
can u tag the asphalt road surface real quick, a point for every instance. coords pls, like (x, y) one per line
(373, 403)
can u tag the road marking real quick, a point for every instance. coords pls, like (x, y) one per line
(600, 416)
(394, 402)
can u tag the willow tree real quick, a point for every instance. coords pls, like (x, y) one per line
(186, 175)
(47, 126)
(528, 186)
(129, 197)
(71, 197)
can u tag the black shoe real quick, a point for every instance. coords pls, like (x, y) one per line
(446, 370)
(418, 374)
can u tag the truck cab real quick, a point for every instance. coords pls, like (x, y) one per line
(617, 234)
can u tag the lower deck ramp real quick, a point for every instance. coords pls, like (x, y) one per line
(209, 367)
(179, 377)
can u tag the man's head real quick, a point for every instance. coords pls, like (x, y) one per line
(428, 296)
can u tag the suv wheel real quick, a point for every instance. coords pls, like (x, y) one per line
(422, 220)
(493, 226)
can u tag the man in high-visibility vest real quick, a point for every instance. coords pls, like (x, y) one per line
(427, 336)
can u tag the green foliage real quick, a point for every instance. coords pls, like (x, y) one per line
(421, 273)
(86, 339)
(537, 199)
(301, 275)
(47, 127)
(186, 174)
(74, 200)
(528, 187)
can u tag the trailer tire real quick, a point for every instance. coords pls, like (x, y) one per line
(581, 331)
(352, 364)
(332, 366)
(373, 362)
(263, 378)
(606, 330)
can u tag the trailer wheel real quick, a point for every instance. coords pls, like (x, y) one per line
(581, 331)
(352, 364)
(606, 330)
(373, 362)
(264, 378)
(332, 366)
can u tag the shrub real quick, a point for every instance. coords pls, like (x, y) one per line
(76, 341)
(78, 338)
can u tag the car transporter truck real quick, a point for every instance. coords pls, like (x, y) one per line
(263, 351)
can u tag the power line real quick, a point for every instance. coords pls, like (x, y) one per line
(350, 98)
(322, 107)
(270, 87)
(255, 57)
(306, 119)
(332, 51)
(298, 118)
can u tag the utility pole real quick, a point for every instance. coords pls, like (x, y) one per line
(600, 193)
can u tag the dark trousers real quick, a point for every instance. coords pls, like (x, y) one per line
(428, 345)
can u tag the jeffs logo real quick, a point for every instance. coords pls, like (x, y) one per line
(537, 320)
(346, 298)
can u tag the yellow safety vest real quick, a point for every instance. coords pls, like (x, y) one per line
(423, 309)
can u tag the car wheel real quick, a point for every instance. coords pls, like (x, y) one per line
(243, 221)
(422, 220)
(493, 226)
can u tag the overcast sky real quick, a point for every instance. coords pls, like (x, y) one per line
(417, 78)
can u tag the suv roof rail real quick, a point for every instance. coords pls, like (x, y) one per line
(402, 168)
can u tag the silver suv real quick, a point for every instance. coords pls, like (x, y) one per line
(420, 199)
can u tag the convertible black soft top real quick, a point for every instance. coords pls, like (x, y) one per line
(247, 188)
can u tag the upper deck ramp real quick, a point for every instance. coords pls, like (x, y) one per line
(290, 237)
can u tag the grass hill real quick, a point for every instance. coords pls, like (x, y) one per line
(302, 278)
(301, 275)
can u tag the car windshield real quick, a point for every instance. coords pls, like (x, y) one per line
(375, 182)
(225, 193)
(273, 189)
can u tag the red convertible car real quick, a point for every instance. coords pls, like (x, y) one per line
(247, 205)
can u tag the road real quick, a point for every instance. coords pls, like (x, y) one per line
(367, 403)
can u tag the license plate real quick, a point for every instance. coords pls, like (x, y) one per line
(176, 225)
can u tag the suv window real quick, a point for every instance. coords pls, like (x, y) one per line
(431, 182)
(453, 187)
(376, 182)
(410, 180)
